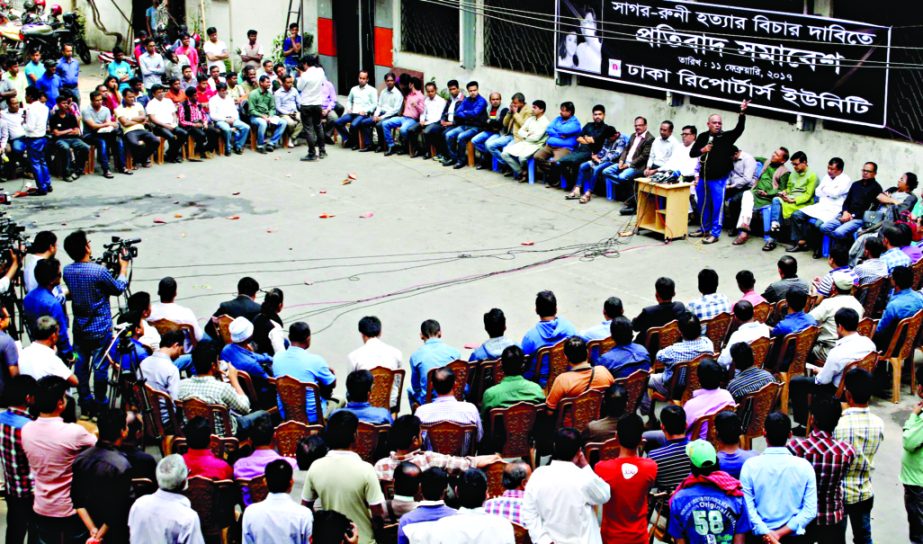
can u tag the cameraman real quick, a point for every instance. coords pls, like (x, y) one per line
(90, 286)
(41, 301)
(44, 246)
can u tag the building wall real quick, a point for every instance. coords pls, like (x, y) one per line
(761, 137)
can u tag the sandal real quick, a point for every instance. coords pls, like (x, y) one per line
(571, 196)
(585, 198)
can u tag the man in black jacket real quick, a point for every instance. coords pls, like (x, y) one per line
(590, 141)
(862, 196)
(244, 305)
(494, 125)
(716, 151)
(661, 313)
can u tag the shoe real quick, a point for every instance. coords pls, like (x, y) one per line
(709, 240)
(309, 157)
(261, 150)
(479, 166)
(459, 165)
(108, 175)
(818, 254)
(391, 151)
(741, 239)
(572, 196)
(380, 150)
(177, 160)
(238, 151)
(227, 153)
(627, 211)
(291, 144)
(769, 246)
(270, 148)
(697, 234)
(795, 248)
(509, 174)
(366, 150)
(69, 178)
(322, 154)
(354, 147)
(447, 162)
(327, 140)
(38, 192)
(127, 172)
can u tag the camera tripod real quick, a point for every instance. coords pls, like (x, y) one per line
(124, 375)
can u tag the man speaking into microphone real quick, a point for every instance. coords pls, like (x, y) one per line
(715, 154)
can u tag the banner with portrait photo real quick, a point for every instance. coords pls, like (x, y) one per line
(801, 64)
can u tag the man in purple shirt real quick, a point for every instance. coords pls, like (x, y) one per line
(408, 121)
(433, 483)
(708, 400)
(254, 465)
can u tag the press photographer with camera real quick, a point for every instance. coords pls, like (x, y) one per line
(44, 246)
(91, 285)
(42, 301)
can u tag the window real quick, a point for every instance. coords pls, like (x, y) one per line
(429, 28)
(519, 38)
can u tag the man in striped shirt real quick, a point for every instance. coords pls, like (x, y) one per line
(509, 504)
(672, 461)
(872, 267)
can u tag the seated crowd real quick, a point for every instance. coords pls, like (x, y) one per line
(712, 362)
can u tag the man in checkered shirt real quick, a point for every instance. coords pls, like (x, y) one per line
(509, 504)
(693, 344)
(872, 267)
(711, 303)
(16, 473)
(90, 286)
(830, 458)
(864, 431)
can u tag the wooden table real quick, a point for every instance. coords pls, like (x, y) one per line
(672, 219)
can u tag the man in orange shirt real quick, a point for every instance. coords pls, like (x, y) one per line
(580, 378)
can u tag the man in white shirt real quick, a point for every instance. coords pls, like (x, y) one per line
(166, 515)
(375, 353)
(216, 51)
(223, 111)
(36, 127)
(360, 103)
(40, 359)
(159, 368)
(311, 79)
(277, 518)
(830, 194)
(12, 120)
(445, 407)
(433, 106)
(680, 161)
(132, 117)
(390, 102)
(662, 149)
(288, 104)
(748, 331)
(168, 309)
(850, 347)
(825, 313)
(251, 54)
(152, 65)
(162, 113)
(558, 503)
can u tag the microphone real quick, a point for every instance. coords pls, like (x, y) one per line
(710, 139)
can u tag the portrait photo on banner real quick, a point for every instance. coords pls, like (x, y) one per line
(579, 31)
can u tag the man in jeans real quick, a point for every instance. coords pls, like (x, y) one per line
(132, 117)
(223, 111)
(165, 122)
(91, 285)
(36, 130)
(66, 136)
(103, 132)
(263, 115)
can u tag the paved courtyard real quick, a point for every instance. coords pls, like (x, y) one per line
(406, 241)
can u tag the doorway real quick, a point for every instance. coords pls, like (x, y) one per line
(177, 9)
(353, 24)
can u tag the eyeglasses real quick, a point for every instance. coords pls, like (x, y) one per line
(687, 134)
(868, 171)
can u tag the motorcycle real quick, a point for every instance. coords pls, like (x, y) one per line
(50, 37)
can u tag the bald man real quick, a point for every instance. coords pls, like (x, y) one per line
(715, 150)
(507, 505)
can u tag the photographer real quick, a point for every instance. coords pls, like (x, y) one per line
(42, 301)
(44, 246)
(91, 285)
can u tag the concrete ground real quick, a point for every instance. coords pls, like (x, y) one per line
(406, 241)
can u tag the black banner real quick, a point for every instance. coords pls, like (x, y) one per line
(802, 64)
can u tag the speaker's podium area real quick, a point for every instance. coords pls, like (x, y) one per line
(663, 208)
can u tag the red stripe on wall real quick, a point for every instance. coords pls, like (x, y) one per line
(384, 47)
(326, 37)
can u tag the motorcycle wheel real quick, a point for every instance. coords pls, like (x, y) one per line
(83, 52)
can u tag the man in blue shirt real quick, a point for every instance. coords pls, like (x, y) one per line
(133, 352)
(358, 386)
(432, 354)
(90, 287)
(433, 484)
(304, 366)
(69, 72)
(626, 357)
(709, 507)
(562, 139)
(34, 69)
(612, 308)
(470, 118)
(239, 353)
(796, 320)
(904, 302)
(495, 325)
(42, 301)
(779, 488)
(549, 330)
(50, 82)
(120, 69)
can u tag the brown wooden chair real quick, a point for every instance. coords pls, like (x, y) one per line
(288, 433)
(869, 295)
(161, 423)
(635, 385)
(761, 348)
(450, 438)
(812, 302)
(214, 502)
(482, 379)
(867, 327)
(371, 441)
(794, 348)
(900, 349)
(754, 408)
(597, 348)
(675, 388)
(579, 411)
(223, 447)
(494, 472)
(246, 383)
(460, 369)
(222, 325)
(658, 338)
(602, 451)
(707, 422)
(256, 487)
(142, 486)
(867, 363)
(217, 414)
(917, 268)
(761, 311)
(554, 360)
(512, 430)
(293, 395)
(716, 328)
(386, 380)
(164, 326)
(692, 379)
(521, 534)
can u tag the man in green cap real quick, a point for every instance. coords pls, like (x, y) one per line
(708, 507)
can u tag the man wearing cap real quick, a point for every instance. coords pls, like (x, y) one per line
(239, 354)
(825, 312)
(164, 120)
(709, 505)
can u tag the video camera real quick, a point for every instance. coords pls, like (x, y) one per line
(119, 248)
(12, 237)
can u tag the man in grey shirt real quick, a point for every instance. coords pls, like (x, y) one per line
(102, 131)
(788, 271)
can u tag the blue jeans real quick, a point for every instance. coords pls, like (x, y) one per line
(243, 132)
(352, 119)
(710, 199)
(36, 147)
(103, 143)
(588, 174)
(456, 138)
(835, 229)
(364, 125)
(774, 216)
(17, 149)
(404, 125)
(262, 125)
(80, 150)
(184, 362)
(616, 177)
(88, 355)
(860, 519)
(480, 140)
(496, 143)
